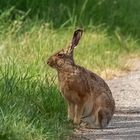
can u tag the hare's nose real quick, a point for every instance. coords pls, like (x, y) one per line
(48, 62)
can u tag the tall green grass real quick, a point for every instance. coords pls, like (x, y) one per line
(123, 14)
(30, 106)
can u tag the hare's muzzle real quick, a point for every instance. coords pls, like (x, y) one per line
(50, 62)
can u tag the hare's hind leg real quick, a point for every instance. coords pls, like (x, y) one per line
(88, 122)
(99, 119)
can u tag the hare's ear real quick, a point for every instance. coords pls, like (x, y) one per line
(75, 40)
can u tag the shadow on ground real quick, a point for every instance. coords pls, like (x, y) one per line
(123, 126)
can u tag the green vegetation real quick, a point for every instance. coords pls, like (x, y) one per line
(60, 13)
(31, 107)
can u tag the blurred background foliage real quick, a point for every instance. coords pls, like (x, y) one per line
(113, 14)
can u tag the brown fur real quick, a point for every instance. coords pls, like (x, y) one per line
(88, 96)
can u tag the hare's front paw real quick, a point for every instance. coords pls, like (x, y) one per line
(70, 117)
(71, 111)
(76, 120)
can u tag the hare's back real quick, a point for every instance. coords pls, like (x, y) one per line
(99, 81)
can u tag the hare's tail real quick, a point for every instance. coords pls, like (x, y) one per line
(104, 116)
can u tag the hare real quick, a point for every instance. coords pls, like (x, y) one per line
(89, 98)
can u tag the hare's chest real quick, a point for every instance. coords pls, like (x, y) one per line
(67, 87)
(68, 93)
(70, 96)
(65, 81)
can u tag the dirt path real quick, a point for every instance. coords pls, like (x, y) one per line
(125, 124)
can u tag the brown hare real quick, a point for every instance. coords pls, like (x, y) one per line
(88, 96)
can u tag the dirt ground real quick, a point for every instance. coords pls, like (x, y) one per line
(125, 124)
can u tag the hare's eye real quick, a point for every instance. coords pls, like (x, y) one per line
(60, 55)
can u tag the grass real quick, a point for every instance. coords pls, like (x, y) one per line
(60, 13)
(30, 103)
(31, 107)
